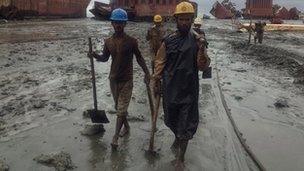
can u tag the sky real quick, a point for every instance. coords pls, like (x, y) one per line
(206, 5)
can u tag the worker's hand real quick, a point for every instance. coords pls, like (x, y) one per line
(92, 55)
(147, 79)
(201, 41)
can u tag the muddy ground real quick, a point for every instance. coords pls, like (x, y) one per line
(45, 87)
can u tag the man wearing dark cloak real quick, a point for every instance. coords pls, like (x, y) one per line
(180, 57)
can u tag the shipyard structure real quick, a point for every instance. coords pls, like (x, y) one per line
(138, 9)
(11, 9)
(259, 9)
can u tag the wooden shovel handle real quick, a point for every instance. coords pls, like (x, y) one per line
(93, 75)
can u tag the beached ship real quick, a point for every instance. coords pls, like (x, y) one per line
(219, 11)
(11, 9)
(138, 9)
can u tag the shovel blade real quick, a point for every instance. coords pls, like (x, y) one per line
(98, 116)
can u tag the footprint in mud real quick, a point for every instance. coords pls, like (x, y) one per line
(13, 108)
(54, 106)
(142, 101)
(2, 126)
(237, 98)
(61, 161)
(92, 129)
(281, 103)
(3, 166)
(112, 110)
(138, 118)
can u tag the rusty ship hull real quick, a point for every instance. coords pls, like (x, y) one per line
(258, 9)
(11, 9)
(220, 12)
(138, 10)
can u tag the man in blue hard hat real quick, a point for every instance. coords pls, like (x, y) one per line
(121, 47)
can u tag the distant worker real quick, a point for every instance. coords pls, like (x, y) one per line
(121, 47)
(155, 36)
(259, 32)
(197, 26)
(180, 57)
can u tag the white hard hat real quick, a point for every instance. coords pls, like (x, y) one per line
(198, 21)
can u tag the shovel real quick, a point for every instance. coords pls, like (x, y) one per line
(97, 116)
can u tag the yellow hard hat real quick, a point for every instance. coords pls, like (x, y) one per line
(158, 18)
(198, 21)
(184, 8)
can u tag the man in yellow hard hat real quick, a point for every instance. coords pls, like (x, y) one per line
(155, 36)
(180, 57)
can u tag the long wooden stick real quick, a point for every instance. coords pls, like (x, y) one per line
(150, 99)
(93, 75)
(250, 28)
(151, 145)
(154, 121)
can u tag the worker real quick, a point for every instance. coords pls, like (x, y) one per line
(121, 47)
(180, 57)
(155, 36)
(197, 26)
(259, 32)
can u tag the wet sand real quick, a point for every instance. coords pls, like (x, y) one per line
(45, 87)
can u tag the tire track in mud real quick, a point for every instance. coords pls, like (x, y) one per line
(238, 133)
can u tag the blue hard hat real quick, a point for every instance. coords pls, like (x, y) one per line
(119, 15)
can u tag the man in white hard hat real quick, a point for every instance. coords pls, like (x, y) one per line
(197, 26)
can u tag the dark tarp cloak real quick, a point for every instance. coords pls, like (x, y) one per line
(181, 85)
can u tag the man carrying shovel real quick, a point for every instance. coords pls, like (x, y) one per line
(121, 48)
(180, 57)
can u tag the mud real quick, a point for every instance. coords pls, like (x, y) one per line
(139, 118)
(45, 90)
(265, 75)
(61, 161)
(92, 129)
(3, 166)
(281, 103)
(269, 56)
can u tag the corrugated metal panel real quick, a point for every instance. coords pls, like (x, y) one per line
(27, 5)
(73, 8)
(5, 2)
(67, 7)
(259, 8)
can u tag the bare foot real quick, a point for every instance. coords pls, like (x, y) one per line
(124, 132)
